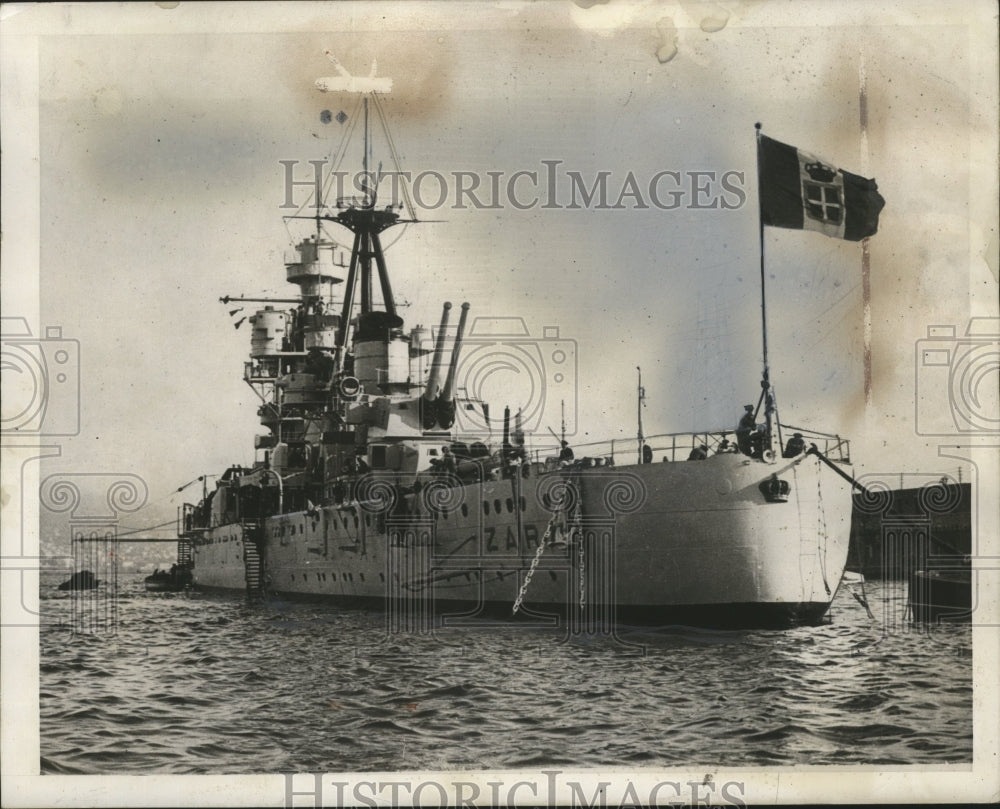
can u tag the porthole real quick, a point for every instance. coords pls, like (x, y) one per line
(486, 507)
(510, 505)
(496, 506)
(465, 510)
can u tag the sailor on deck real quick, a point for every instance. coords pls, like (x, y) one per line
(565, 454)
(796, 446)
(746, 426)
(698, 453)
(447, 465)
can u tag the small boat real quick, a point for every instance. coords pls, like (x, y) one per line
(174, 580)
(941, 596)
(81, 580)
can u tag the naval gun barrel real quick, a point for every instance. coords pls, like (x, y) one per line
(427, 409)
(446, 402)
(433, 386)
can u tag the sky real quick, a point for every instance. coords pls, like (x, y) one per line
(160, 184)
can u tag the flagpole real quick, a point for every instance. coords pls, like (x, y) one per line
(766, 379)
(866, 290)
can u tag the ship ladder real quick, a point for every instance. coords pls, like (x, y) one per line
(185, 553)
(253, 570)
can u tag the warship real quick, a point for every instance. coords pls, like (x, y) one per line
(381, 481)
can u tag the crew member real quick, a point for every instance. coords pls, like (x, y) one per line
(358, 464)
(447, 465)
(796, 446)
(647, 453)
(746, 426)
(698, 453)
(565, 454)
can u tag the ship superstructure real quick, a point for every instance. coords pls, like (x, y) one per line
(364, 491)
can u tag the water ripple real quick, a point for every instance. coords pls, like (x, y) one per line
(208, 684)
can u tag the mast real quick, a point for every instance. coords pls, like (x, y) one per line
(366, 223)
(640, 400)
(767, 392)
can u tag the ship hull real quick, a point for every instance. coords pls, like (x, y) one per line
(696, 543)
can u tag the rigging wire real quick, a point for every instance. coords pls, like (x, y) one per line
(394, 153)
(340, 150)
(147, 528)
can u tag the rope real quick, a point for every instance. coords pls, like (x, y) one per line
(821, 531)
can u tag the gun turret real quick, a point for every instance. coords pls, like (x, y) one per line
(446, 402)
(428, 416)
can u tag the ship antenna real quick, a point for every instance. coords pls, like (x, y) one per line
(364, 157)
(640, 402)
(562, 404)
(767, 392)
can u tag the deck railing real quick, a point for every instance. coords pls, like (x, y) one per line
(674, 447)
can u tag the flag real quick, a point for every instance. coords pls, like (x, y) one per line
(801, 191)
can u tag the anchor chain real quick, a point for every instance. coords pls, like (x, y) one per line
(575, 532)
(534, 564)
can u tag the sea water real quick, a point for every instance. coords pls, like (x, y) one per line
(200, 683)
